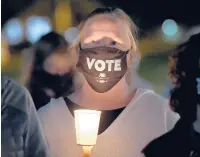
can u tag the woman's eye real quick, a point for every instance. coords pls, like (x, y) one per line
(113, 43)
(93, 41)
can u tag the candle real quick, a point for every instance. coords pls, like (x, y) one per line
(87, 125)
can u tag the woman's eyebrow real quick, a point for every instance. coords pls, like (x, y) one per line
(99, 35)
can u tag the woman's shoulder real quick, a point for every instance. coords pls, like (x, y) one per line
(149, 97)
(52, 108)
(158, 105)
(150, 93)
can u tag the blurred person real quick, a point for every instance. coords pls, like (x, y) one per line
(184, 139)
(130, 118)
(21, 134)
(51, 74)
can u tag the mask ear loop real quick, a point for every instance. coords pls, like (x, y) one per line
(79, 45)
(125, 52)
(129, 50)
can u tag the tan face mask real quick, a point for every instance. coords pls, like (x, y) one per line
(103, 67)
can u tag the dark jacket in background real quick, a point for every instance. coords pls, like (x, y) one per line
(181, 141)
(21, 134)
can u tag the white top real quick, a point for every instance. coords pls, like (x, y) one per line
(145, 118)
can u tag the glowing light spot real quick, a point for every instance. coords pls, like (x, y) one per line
(169, 27)
(37, 27)
(13, 32)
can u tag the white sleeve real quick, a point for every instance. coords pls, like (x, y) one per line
(43, 114)
(171, 118)
(43, 111)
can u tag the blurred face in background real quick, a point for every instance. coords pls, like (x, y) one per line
(56, 73)
(59, 63)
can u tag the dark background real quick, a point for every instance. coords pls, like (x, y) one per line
(150, 12)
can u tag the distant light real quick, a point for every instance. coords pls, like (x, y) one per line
(37, 27)
(71, 35)
(169, 27)
(13, 32)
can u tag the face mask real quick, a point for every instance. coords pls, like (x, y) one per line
(103, 67)
(60, 85)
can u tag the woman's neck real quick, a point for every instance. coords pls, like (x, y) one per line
(119, 96)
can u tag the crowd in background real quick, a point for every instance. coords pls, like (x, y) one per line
(50, 72)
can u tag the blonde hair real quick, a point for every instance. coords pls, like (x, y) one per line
(134, 54)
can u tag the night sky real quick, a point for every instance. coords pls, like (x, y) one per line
(149, 13)
(10, 8)
(146, 13)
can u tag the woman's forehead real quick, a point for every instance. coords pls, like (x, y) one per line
(105, 26)
(104, 22)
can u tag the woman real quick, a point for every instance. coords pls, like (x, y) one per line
(184, 139)
(52, 63)
(130, 118)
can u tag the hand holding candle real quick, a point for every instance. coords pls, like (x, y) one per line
(87, 125)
